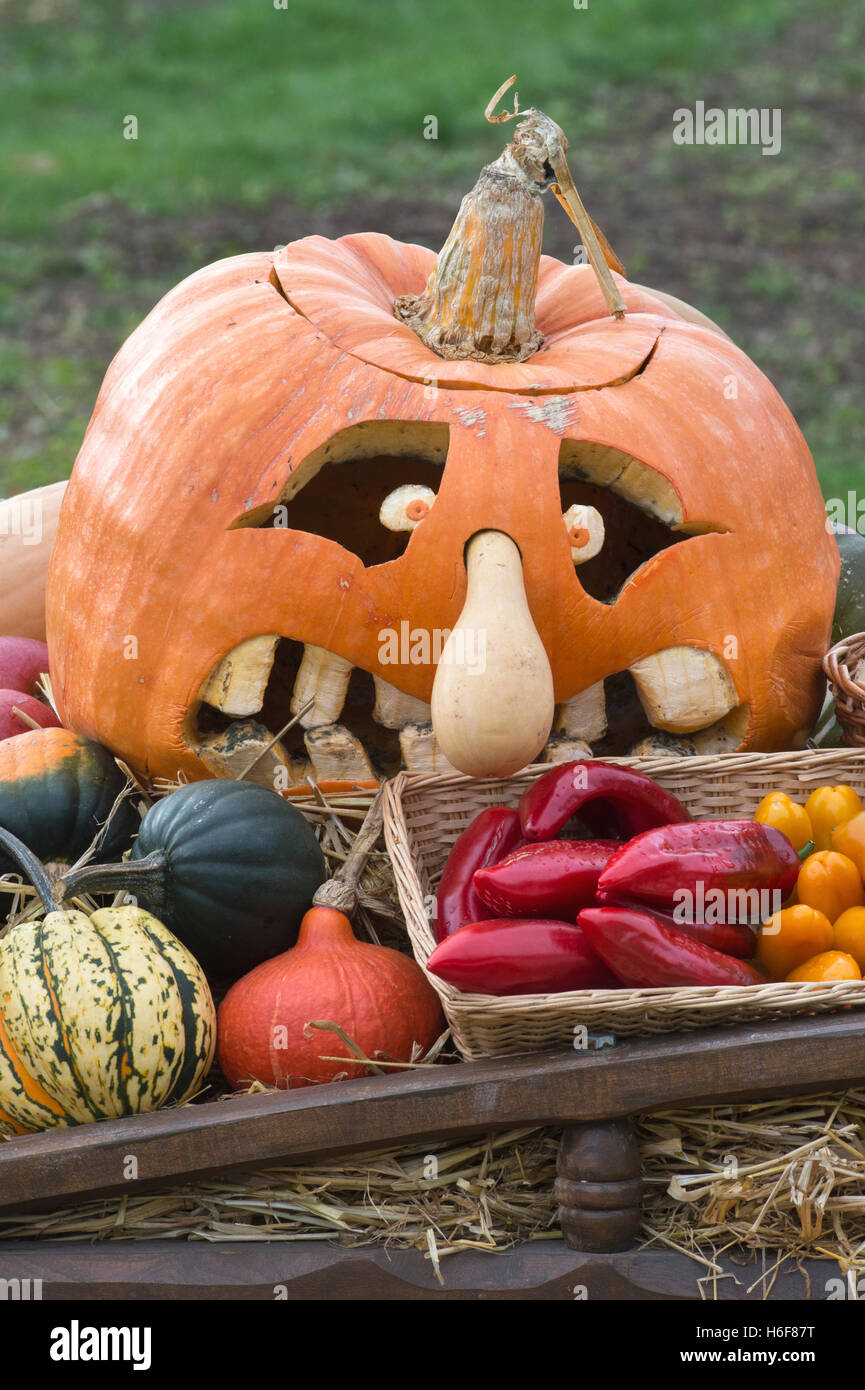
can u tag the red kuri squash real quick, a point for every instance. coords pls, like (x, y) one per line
(379, 997)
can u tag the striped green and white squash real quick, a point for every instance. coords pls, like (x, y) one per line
(100, 1016)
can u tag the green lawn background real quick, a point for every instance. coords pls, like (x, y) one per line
(258, 123)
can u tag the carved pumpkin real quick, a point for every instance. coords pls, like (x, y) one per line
(221, 558)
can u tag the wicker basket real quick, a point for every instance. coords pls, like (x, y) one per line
(423, 815)
(843, 664)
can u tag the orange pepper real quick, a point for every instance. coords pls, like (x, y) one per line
(849, 934)
(828, 807)
(849, 838)
(777, 809)
(790, 937)
(828, 965)
(831, 882)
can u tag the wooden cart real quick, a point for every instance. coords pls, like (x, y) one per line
(592, 1094)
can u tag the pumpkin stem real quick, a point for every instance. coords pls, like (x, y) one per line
(479, 302)
(32, 868)
(130, 877)
(340, 892)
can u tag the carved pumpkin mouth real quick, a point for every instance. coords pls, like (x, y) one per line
(362, 728)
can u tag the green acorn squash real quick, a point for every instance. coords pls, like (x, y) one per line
(229, 867)
(850, 604)
(56, 792)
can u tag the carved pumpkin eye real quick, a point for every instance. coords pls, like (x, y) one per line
(619, 513)
(352, 490)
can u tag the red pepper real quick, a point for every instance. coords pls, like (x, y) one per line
(677, 865)
(516, 955)
(491, 835)
(553, 879)
(733, 938)
(645, 954)
(638, 802)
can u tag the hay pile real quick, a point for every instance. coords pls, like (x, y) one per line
(484, 1195)
(786, 1179)
(783, 1177)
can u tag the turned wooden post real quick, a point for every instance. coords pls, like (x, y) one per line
(599, 1186)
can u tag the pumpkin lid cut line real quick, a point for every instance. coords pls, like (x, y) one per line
(320, 279)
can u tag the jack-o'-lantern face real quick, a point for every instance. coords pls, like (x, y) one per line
(272, 505)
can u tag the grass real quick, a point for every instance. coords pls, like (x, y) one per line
(326, 99)
(316, 111)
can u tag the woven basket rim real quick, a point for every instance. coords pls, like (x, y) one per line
(722, 763)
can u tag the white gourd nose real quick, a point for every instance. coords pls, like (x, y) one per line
(492, 699)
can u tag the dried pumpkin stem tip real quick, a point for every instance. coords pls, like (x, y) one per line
(479, 302)
(340, 892)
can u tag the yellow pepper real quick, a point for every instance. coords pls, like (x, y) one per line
(828, 807)
(779, 810)
(826, 967)
(830, 882)
(790, 937)
(849, 838)
(849, 934)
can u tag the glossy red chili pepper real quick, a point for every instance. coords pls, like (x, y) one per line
(552, 879)
(491, 835)
(645, 954)
(683, 864)
(571, 788)
(733, 938)
(516, 955)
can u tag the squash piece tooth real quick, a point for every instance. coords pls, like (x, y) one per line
(337, 755)
(564, 750)
(240, 750)
(420, 749)
(584, 716)
(661, 745)
(300, 768)
(393, 709)
(683, 689)
(237, 684)
(727, 735)
(323, 677)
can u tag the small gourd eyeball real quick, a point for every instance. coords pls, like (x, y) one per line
(405, 507)
(585, 528)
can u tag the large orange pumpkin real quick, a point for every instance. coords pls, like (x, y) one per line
(248, 432)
